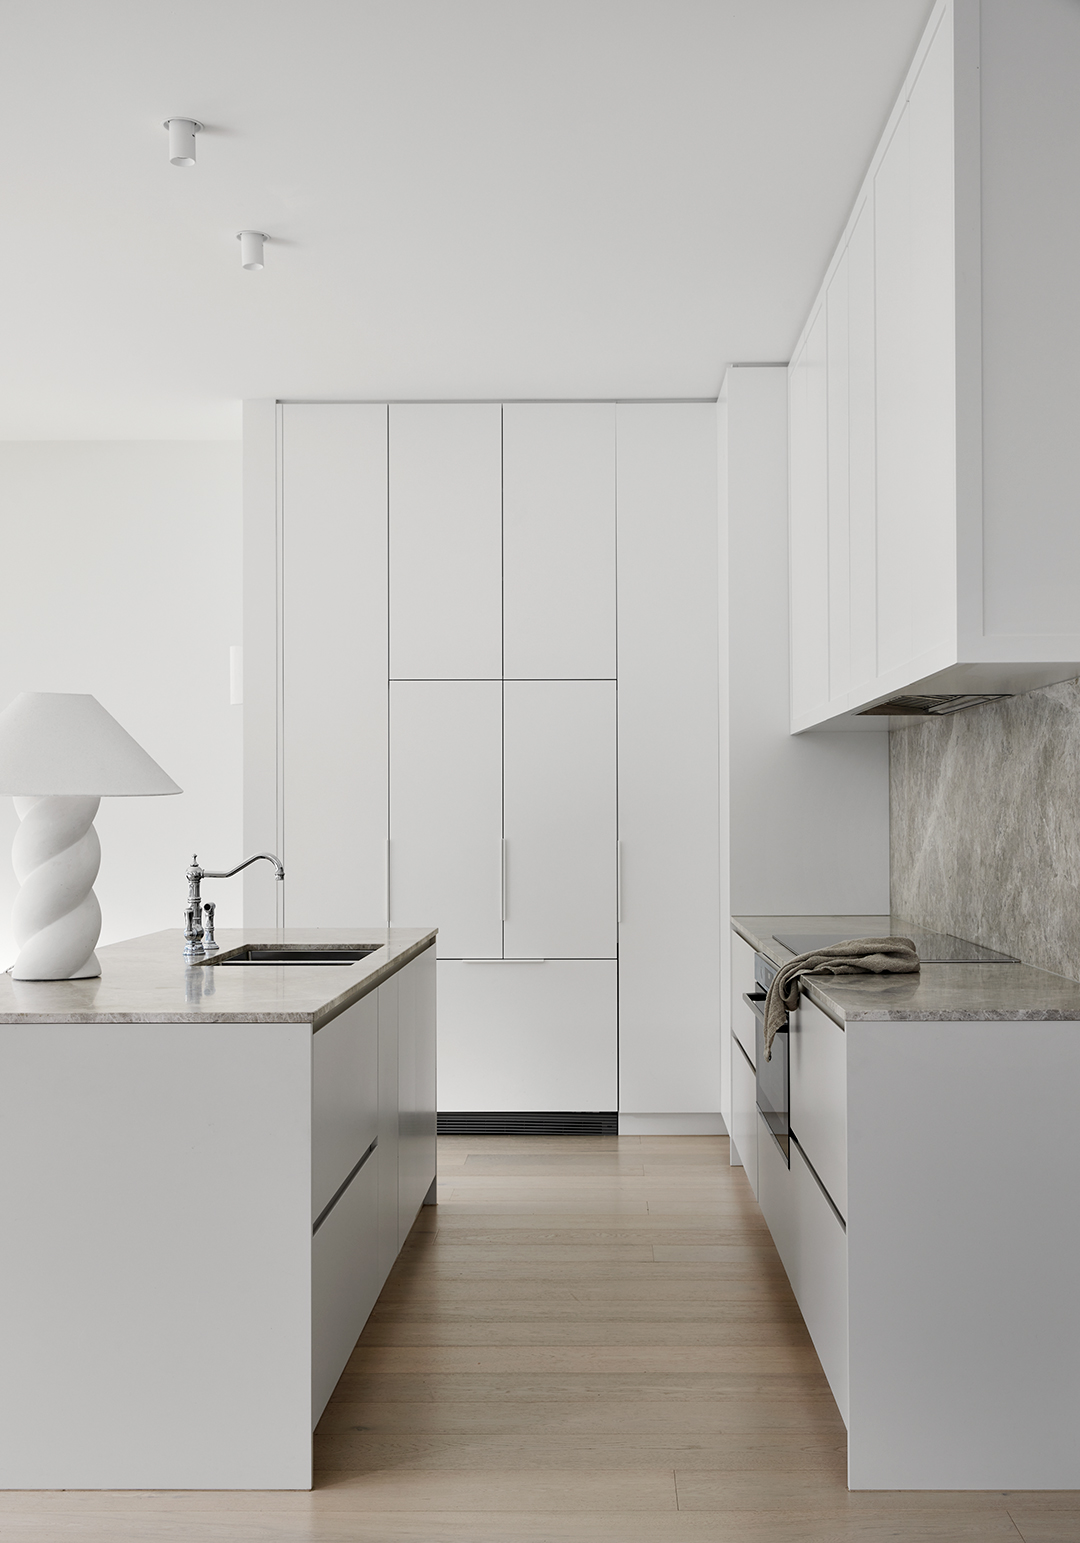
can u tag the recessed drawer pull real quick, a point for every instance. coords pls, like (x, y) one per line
(336, 1196)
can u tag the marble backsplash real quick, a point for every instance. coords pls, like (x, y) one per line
(985, 825)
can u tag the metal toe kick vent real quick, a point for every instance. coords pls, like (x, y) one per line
(930, 706)
(512, 1123)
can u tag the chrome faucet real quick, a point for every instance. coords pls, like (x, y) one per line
(199, 914)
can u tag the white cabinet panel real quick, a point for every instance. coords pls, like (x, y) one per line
(820, 1281)
(897, 384)
(669, 967)
(776, 1197)
(861, 430)
(445, 541)
(744, 1115)
(334, 700)
(389, 1224)
(446, 812)
(560, 819)
(838, 385)
(344, 1281)
(344, 1097)
(528, 1036)
(932, 409)
(915, 273)
(809, 525)
(559, 533)
(743, 1019)
(818, 1096)
(416, 1088)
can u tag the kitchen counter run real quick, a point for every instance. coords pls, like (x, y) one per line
(960, 993)
(148, 980)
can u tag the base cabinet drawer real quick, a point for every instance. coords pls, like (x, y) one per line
(821, 1276)
(344, 1280)
(416, 1089)
(776, 1198)
(344, 1097)
(744, 1115)
(818, 1095)
(524, 1034)
(812, 1245)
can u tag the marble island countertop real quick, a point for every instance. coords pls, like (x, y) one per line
(148, 980)
(957, 992)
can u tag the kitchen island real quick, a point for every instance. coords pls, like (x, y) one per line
(206, 1173)
(925, 1206)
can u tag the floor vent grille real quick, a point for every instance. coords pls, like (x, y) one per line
(560, 1123)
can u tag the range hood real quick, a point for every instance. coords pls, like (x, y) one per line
(930, 706)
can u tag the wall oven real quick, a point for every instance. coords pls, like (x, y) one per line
(772, 1076)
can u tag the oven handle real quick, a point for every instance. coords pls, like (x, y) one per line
(755, 1000)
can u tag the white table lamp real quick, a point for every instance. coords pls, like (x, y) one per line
(60, 754)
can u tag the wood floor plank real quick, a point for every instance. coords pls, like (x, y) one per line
(407, 1308)
(353, 1524)
(739, 1419)
(571, 1359)
(744, 1233)
(528, 1489)
(583, 1387)
(573, 1331)
(659, 1287)
(361, 1451)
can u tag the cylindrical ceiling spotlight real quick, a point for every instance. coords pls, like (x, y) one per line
(182, 133)
(251, 248)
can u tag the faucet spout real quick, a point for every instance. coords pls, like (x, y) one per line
(194, 932)
(268, 857)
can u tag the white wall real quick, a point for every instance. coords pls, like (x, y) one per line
(121, 571)
(804, 818)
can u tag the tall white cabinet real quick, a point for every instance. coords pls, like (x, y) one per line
(492, 670)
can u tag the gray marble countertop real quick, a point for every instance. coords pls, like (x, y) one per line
(956, 993)
(148, 980)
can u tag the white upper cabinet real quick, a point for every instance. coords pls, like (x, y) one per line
(861, 564)
(445, 542)
(446, 812)
(935, 548)
(837, 384)
(333, 713)
(810, 524)
(560, 822)
(559, 540)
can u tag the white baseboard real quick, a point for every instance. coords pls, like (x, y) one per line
(671, 1125)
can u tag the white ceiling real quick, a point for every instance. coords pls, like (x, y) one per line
(468, 198)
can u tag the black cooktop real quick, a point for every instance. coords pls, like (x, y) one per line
(931, 947)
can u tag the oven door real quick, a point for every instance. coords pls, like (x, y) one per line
(772, 1077)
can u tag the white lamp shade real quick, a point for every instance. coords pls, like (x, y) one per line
(65, 742)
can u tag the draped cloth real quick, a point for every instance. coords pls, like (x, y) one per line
(858, 956)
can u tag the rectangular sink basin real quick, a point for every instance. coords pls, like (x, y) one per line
(254, 953)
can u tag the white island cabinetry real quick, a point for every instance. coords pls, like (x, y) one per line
(199, 1210)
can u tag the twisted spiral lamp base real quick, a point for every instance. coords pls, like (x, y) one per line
(56, 917)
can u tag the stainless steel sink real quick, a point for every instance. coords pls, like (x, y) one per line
(296, 953)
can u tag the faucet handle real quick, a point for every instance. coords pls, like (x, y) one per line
(193, 933)
(209, 907)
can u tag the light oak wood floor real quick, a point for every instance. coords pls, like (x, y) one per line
(588, 1339)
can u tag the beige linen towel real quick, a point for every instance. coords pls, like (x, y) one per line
(858, 956)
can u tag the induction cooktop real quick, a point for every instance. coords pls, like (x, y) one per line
(931, 947)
